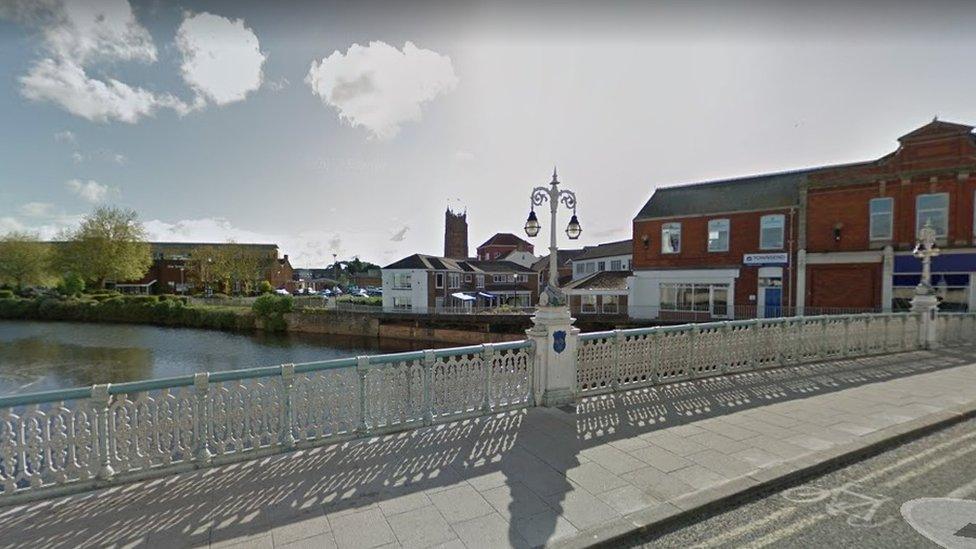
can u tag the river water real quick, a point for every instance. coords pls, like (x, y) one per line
(40, 356)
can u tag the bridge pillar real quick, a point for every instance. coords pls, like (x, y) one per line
(554, 370)
(927, 305)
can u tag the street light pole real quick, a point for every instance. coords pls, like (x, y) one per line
(553, 296)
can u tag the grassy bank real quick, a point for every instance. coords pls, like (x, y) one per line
(142, 309)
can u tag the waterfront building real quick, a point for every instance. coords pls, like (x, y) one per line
(501, 244)
(612, 256)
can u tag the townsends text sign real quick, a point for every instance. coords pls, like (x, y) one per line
(765, 259)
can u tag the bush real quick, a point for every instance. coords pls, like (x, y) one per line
(265, 287)
(218, 295)
(72, 285)
(6, 294)
(270, 310)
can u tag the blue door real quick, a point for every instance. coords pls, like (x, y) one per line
(772, 302)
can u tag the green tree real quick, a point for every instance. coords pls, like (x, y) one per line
(24, 261)
(110, 244)
(265, 287)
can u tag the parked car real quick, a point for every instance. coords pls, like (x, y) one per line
(281, 291)
(326, 292)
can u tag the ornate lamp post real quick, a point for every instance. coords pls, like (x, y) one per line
(552, 296)
(925, 300)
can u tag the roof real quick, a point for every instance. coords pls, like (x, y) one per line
(621, 247)
(209, 244)
(757, 192)
(562, 257)
(505, 239)
(937, 129)
(603, 280)
(434, 263)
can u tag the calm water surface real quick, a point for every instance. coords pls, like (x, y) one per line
(40, 356)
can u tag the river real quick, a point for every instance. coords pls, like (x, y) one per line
(41, 356)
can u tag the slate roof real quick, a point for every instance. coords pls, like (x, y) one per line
(434, 263)
(622, 247)
(758, 192)
(603, 280)
(505, 239)
(562, 257)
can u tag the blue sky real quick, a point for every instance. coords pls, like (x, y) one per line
(349, 127)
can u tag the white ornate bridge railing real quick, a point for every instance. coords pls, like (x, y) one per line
(956, 328)
(621, 359)
(77, 439)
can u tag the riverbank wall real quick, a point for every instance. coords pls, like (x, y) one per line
(453, 329)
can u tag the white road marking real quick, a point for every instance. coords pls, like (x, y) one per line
(915, 457)
(745, 529)
(963, 491)
(929, 466)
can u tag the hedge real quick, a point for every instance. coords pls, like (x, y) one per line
(133, 309)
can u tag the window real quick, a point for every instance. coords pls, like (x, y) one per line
(932, 208)
(601, 265)
(479, 281)
(771, 231)
(521, 278)
(454, 280)
(671, 238)
(402, 281)
(467, 278)
(588, 303)
(580, 267)
(615, 265)
(880, 211)
(610, 304)
(718, 235)
(438, 280)
(686, 297)
(401, 302)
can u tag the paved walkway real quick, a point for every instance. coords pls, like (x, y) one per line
(524, 478)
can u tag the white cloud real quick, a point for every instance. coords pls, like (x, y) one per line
(400, 235)
(77, 157)
(379, 87)
(37, 209)
(9, 225)
(66, 136)
(222, 59)
(91, 191)
(464, 156)
(279, 84)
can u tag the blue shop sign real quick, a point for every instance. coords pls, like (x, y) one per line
(938, 279)
(945, 263)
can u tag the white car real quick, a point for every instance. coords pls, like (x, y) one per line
(282, 291)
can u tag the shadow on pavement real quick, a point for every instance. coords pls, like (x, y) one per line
(517, 460)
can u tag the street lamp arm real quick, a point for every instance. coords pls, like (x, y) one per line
(568, 199)
(539, 196)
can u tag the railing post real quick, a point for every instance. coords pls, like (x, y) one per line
(822, 347)
(487, 364)
(101, 399)
(618, 340)
(287, 434)
(754, 342)
(904, 328)
(726, 342)
(362, 368)
(201, 423)
(847, 330)
(429, 360)
(885, 347)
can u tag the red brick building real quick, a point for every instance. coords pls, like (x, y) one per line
(823, 240)
(501, 245)
(721, 249)
(862, 221)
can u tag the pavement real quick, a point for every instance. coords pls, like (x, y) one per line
(860, 505)
(593, 473)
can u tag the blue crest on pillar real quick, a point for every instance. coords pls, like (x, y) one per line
(559, 341)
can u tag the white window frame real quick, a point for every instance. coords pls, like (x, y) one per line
(615, 265)
(610, 308)
(453, 281)
(580, 268)
(438, 280)
(728, 234)
(403, 281)
(782, 231)
(891, 218)
(666, 229)
(601, 265)
(920, 222)
(479, 281)
(588, 304)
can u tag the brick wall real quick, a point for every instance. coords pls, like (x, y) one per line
(844, 286)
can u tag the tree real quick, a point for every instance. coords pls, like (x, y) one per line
(24, 261)
(110, 244)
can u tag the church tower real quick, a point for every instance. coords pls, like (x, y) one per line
(455, 234)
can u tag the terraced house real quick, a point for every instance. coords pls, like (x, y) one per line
(424, 283)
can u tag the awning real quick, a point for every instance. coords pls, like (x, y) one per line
(462, 297)
(489, 296)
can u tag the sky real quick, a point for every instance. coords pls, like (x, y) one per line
(349, 127)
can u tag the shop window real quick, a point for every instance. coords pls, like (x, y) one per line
(772, 229)
(695, 298)
(718, 235)
(932, 208)
(671, 238)
(881, 218)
